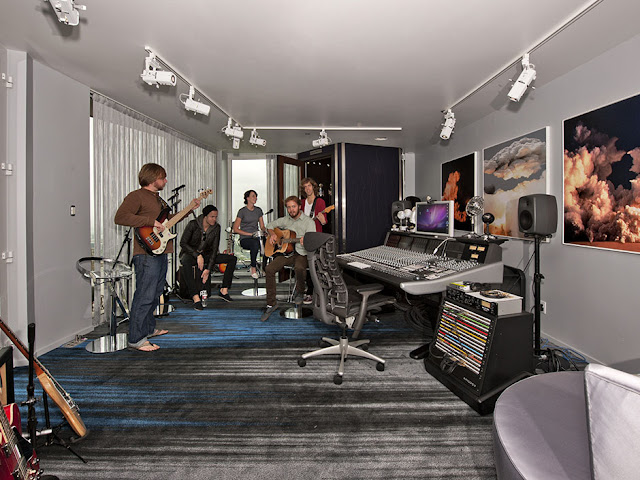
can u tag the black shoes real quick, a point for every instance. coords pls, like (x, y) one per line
(269, 309)
(198, 305)
(225, 296)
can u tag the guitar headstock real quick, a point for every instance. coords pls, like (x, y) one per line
(205, 193)
(329, 209)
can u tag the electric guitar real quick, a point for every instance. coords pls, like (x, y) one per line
(284, 244)
(55, 391)
(155, 242)
(18, 459)
(326, 210)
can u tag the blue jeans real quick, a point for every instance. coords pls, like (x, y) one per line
(151, 273)
(253, 245)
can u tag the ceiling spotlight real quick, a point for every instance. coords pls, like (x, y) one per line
(447, 126)
(527, 76)
(67, 11)
(154, 75)
(193, 105)
(235, 132)
(322, 141)
(254, 139)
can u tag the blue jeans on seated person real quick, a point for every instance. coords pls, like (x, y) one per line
(253, 245)
(151, 273)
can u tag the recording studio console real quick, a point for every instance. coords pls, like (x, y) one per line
(408, 261)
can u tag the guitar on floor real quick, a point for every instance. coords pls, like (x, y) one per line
(55, 391)
(284, 244)
(155, 242)
(18, 459)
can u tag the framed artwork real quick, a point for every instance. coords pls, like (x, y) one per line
(512, 169)
(458, 184)
(602, 177)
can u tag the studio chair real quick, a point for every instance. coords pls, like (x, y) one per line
(336, 303)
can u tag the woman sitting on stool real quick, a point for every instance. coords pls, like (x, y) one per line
(199, 249)
(248, 225)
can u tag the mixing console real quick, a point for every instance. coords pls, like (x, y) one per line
(419, 272)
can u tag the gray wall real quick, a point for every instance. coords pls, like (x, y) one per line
(60, 165)
(592, 297)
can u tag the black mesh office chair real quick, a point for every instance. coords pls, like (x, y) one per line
(336, 303)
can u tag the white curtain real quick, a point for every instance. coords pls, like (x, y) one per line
(124, 140)
(272, 187)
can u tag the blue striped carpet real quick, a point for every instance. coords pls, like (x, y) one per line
(224, 398)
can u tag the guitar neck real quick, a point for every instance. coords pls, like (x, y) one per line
(39, 368)
(178, 216)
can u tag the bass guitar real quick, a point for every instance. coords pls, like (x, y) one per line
(18, 459)
(55, 391)
(154, 241)
(284, 244)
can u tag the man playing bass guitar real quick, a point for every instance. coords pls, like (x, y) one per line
(300, 224)
(142, 208)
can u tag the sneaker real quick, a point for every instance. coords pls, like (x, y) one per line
(298, 298)
(268, 310)
(198, 305)
(307, 300)
(225, 296)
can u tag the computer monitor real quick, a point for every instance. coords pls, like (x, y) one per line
(435, 218)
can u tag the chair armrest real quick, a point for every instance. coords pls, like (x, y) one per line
(369, 288)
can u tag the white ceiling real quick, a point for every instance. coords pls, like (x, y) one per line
(370, 63)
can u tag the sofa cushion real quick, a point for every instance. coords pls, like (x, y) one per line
(613, 408)
(540, 429)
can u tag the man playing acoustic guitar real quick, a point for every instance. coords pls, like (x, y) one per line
(299, 224)
(142, 208)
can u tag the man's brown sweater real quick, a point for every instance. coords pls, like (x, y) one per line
(140, 208)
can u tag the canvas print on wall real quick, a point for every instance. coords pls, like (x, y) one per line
(602, 177)
(512, 169)
(458, 184)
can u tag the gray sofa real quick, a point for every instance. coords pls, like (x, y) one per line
(569, 425)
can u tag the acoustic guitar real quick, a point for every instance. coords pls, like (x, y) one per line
(284, 244)
(55, 391)
(155, 242)
(18, 460)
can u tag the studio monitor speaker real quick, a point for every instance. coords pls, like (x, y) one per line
(538, 214)
(398, 206)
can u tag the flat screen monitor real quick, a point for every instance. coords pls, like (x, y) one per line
(435, 218)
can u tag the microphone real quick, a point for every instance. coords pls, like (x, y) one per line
(269, 212)
(178, 188)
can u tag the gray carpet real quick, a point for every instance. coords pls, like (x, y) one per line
(224, 398)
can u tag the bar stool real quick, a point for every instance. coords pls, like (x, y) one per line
(296, 311)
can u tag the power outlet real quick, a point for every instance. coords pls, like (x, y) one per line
(543, 307)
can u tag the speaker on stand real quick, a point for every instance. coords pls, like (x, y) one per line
(397, 207)
(537, 218)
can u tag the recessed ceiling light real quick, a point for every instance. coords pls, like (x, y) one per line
(380, 139)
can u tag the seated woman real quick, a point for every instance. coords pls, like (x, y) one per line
(248, 224)
(200, 245)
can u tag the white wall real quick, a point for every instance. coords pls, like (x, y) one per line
(60, 166)
(48, 142)
(592, 296)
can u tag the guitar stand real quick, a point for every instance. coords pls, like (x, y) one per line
(51, 435)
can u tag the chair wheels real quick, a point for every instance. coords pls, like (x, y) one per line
(380, 367)
(337, 379)
(302, 362)
(364, 346)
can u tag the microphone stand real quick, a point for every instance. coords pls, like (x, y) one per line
(32, 420)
